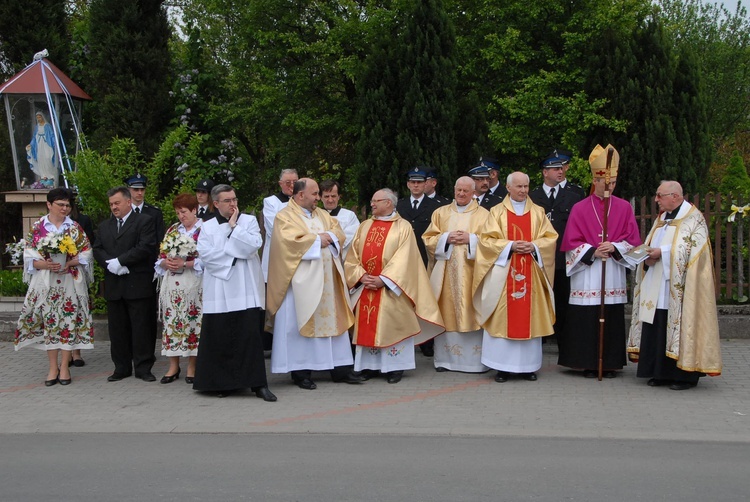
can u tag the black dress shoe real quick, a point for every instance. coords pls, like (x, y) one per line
(501, 377)
(351, 378)
(114, 377)
(147, 377)
(78, 363)
(609, 374)
(189, 379)
(50, 383)
(590, 373)
(306, 384)
(394, 376)
(170, 378)
(681, 386)
(440, 369)
(265, 394)
(369, 374)
(531, 377)
(64, 381)
(657, 383)
(428, 351)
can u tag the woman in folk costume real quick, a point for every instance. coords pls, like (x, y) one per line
(58, 265)
(180, 274)
(585, 256)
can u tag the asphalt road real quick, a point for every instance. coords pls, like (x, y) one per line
(322, 467)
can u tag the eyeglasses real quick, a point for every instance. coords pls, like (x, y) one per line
(63, 205)
(228, 201)
(375, 201)
(662, 195)
(288, 182)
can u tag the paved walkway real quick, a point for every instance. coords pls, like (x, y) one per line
(560, 404)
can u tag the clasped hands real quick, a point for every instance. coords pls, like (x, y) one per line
(372, 281)
(48, 264)
(604, 250)
(113, 265)
(175, 264)
(458, 237)
(523, 247)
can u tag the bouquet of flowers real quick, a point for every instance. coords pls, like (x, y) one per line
(15, 250)
(176, 245)
(53, 243)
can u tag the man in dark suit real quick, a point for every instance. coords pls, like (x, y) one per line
(429, 188)
(562, 157)
(417, 208)
(496, 188)
(124, 248)
(203, 194)
(481, 177)
(137, 185)
(557, 203)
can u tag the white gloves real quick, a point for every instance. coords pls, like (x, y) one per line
(115, 268)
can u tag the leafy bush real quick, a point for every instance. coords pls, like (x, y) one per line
(11, 283)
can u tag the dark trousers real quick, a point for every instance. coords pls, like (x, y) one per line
(337, 373)
(652, 359)
(562, 295)
(132, 334)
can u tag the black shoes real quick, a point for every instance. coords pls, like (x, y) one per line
(170, 378)
(394, 376)
(78, 363)
(351, 378)
(147, 377)
(501, 377)
(189, 380)
(427, 351)
(681, 386)
(440, 369)
(657, 383)
(368, 374)
(305, 383)
(590, 373)
(50, 383)
(265, 394)
(115, 377)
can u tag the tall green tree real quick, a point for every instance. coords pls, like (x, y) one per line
(126, 72)
(408, 112)
(28, 27)
(657, 91)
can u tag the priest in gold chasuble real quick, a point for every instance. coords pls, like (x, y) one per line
(512, 286)
(307, 294)
(674, 330)
(394, 305)
(451, 241)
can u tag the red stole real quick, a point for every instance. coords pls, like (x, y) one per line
(369, 303)
(518, 283)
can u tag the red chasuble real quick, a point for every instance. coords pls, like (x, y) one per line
(369, 302)
(518, 285)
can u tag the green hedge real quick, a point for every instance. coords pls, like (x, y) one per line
(11, 283)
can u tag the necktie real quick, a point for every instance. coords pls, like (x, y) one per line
(201, 212)
(119, 225)
(138, 210)
(552, 194)
(416, 203)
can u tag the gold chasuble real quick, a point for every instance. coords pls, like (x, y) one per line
(321, 298)
(515, 300)
(451, 278)
(386, 247)
(692, 322)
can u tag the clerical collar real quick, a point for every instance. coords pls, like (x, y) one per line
(390, 216)
(334, 212)
(282, 197)
(518, 207)
(671, 215)
(221, 219)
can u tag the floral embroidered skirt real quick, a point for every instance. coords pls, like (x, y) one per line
(180, 305)
(55, 314)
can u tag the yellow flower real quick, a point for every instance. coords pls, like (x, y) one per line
(68, 246)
